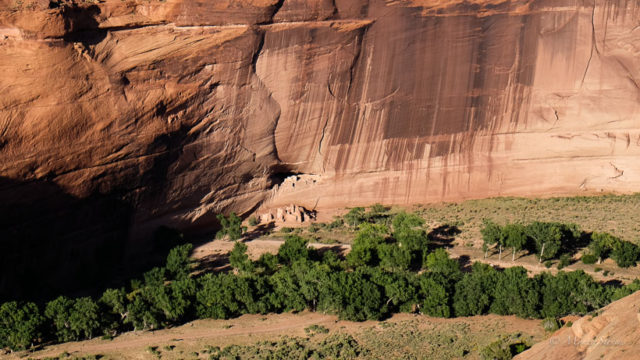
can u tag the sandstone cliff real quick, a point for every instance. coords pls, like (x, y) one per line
(141, 113)
(614, 333)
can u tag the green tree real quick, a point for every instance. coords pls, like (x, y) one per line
(491, 235)
(84, 319)
(392, 257)
(435, 292)
(286, 295)
(625, 254)
(602, 244)
(547, 238)
(474, 292)
(294, 248)
(408, 231)
(114, 304)
(439, 262)
(571, 293)
(231, 226)
(359, 298)
(20, 325)
(73, 319)
(154, 277)
(267, 263)
(364, 250)
(355, 217)
(141, 314)
(178, 261)
(239, 259)
(515, 237)
(515, 293)
(215, 297)
(58, 311)
(626, 290)
(400, 289)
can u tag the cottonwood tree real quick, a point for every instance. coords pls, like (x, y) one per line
(547, 238)
(412, 238)
(20, 325)
(515, 237)
(491, 234)
(293, 248)
(73, 319)
(178, 263)
(58, 311)
(364, 250)
(474, 292)
(602, 244)
(239, 259)
(231, 226)
(84, 318)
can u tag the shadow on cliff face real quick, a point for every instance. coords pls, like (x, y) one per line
(53, 243)
(81, 25)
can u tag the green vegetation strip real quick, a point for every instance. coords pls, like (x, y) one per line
(390, 269)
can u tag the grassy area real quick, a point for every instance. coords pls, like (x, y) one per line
(417, 339)
(401, 337)
(411, 339)
(616, 214)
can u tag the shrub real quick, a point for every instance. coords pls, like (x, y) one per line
(336, 223)
(355, 217)
(497, 350)
(625, 254)
(589, 259)
(316, 329)
(565, 260)
(314, 227)
(253, 221)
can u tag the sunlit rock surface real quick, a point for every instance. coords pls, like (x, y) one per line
(170, 112)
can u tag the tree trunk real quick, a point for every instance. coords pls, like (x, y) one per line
(542, 252)
(500, 257)
(513, 255)
(485, 253)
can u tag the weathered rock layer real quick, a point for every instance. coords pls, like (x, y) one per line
(612, 333)
(177, 110)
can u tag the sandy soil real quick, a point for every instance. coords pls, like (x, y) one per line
(249, 329)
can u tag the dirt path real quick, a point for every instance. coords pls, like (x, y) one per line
(260, 246)
(531, 263)
(255, 248)
(251, 328)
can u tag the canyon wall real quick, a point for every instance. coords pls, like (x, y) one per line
(117, 117)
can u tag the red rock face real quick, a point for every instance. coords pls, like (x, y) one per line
(177, 110)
